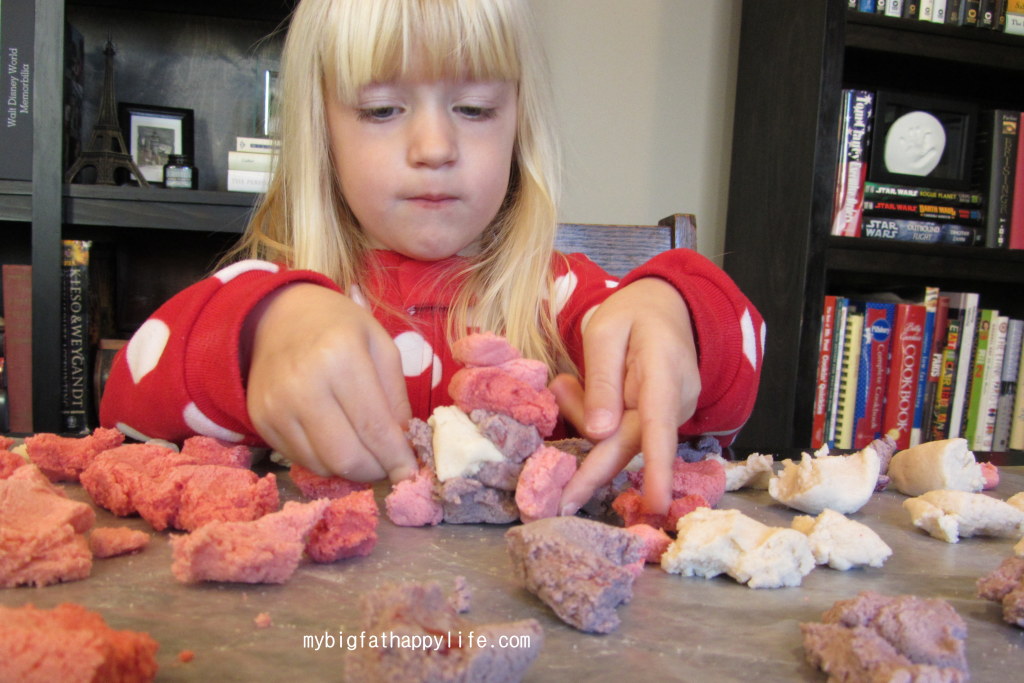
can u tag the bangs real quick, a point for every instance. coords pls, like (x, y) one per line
(379, 41)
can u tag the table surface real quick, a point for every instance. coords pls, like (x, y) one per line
(677, 628)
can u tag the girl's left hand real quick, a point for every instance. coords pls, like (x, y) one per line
(641, 382)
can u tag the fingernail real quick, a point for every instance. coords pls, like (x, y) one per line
(600, 421)
(570, 509)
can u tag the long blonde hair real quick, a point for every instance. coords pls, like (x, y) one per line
(346, 44)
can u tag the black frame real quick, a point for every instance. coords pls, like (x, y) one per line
(959, 123)
(180, 126)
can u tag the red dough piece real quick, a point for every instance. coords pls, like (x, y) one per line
(705, 478)
(540, 486)
(630, 507)
(205, 450)
(656, 541)
(41, 533)
(482, 349)
(348, 528)
(115, 476)
(266, 550)
(70, 643)
(314, 486)
(112, 541)
(6, 442)
(10, 462)
(412, 501)
(63, 458)
(991, 474)
(493, 389)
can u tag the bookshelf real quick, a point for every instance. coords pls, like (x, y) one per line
(794, 59)
(200, 55)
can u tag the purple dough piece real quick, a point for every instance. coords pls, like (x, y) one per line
(467, 501)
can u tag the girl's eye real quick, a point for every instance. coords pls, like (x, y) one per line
(479, 113)
(377, 113)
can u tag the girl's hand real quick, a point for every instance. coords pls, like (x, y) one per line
(325, 385)
(642, 381)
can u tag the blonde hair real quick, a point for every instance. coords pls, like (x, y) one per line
(346, 44)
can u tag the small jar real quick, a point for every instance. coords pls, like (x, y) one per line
(180, 173)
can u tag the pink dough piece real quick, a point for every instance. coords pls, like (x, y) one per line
(490, 388)
(6, 442)
(483, 349)
(544, 475)
(532, 373)
(412, 502)
(991, 474)
(115, 476)
(70, 643)
(656, 541)
(112, 541)
(266, 550)
(63, 458)
(41, 533)
(630, 507)
(205, 450)
(10, 462)
(705, 478)
(262, 620)
(348, 528)
(313, 486)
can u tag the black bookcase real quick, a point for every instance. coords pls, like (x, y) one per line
(205, 56)
(795, 57)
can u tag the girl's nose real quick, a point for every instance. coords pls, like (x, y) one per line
(432, 140)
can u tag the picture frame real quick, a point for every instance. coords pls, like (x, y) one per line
(152, 133)
(922, 141)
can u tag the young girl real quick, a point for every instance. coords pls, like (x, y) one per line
(415, 200)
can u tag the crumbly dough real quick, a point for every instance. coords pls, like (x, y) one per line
(459, 447)
(946, 464)
(843, 483)
(842, 543)
(949, 515)
(712, 542)
(754, 472)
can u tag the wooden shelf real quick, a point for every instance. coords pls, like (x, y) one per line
(157, 208)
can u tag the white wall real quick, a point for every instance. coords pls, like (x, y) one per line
(644, 91)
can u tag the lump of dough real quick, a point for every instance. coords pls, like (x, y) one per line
(712, 542)
(843, 483)
(754, 472)
(948, 515)
(945, 464)
(459, 447)
(842, 543)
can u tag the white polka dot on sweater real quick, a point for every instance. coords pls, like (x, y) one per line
(229, 273)
(586, 318)
(749, 338)
(435, 378)
(356, 294)
(131, 432)
(563, 288)
(146, 347)
(200, 424)
(417, 353)
(611, 284)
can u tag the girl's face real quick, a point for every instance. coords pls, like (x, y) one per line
(424, 165)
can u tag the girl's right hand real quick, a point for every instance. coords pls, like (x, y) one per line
(325, 385)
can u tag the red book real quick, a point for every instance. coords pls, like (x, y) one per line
(1016, 240)
(904, 371)
(873, 371)
(828, 317)
(854, 135)
(17, 281)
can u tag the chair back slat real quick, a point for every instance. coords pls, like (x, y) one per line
(621, 248)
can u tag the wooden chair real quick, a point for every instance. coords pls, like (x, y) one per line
(621, 248)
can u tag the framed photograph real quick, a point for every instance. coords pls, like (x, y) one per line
(153, 133)
(922, 141)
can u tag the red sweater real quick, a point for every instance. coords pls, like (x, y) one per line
(179, 375)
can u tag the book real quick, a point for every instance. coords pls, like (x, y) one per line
(976, 405)
(1015, 240)
(983, 436)
(939, 333)
(822, 383)
(873, 371)
(874, 190)
(76, 380)
(17, 42)
(847, 400)
(966, 305)
(925, 12)
(939, 426)
(953, 10)
(866, 6)
(893, 8)
(17, 282)
(970, 13)
(851, 174)
(248, 181)
(908, 338)
(835, 379)
(1008, 385)
(921, 231)
(1014, 17)
(261, 145)
(74, 89)
(986, 14)
(996, 164)
(1017, 417)
(890, 208)
(251, 161)
(930, 302)
(939, 11)
(910, 9)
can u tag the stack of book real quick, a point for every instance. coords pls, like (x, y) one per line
(934, 366)
(990, 213)
(995, 15)
(251, 164)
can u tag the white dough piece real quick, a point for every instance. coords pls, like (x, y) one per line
(754, 472)
(950, 515)
(936, 465)
(712, 542)
(842, 543)
(843, 483)
(459, 447)
(1017, 500)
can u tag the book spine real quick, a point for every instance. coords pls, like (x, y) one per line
(248, 181)
(908, 338)
(921, 231)
(925, 13)
(848, 391)
(828, 317)
(930, 304)
(836, 372)
(1015, 240)
(910, 9)
(17, 42)
(939, 332)
(986, 14)
(996, 352)
(1008, 385)
(1017, 416)
(953, 10)
(893, 8)
(944, 388)
(258, 145)
(970, 13)
(995, 162)
(855, 130)
(976, 393)
(874, 366)
(884, 208)
(875, 190)
(76, 391)
(866, 6)
(17, 281)
(251, 161)
(969, 306)
(1014, 17)
(939, 11)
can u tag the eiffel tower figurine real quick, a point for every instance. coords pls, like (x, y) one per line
(107, 152)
